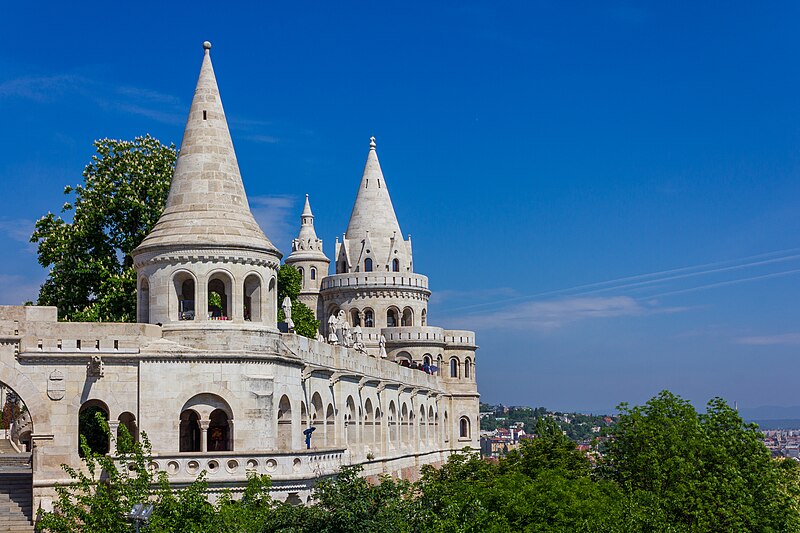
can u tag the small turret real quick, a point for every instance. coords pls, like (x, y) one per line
(308, 257)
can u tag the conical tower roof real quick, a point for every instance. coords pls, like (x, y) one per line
(307, 245)
(373, 211)
(207, 205)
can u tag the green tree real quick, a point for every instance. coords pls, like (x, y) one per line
(91, 274)
(289, 282)
(348, 502)
(550, 450)
(92, 422)
(99, 495)
(698, 472)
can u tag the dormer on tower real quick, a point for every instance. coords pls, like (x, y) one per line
(206, 259)
(307, 257)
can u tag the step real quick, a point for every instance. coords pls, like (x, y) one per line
(6, 446)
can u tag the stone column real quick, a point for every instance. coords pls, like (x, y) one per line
(201, 303)
(204, 435)
(230, 435)
(113, 427)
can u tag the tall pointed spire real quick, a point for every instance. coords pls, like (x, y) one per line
(307, 231)
(207, 205)
(373, 211)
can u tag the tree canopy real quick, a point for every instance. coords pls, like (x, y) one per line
(666, 468)
(289, 284)
(124, 191)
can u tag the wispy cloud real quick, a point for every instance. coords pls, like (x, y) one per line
(122, 98)
(275, 214)
(782, 339)
(452, 296)
(41, 88)
(263, 139)
(18, 229)
(553, 314)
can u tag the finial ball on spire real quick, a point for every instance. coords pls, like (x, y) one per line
(372, 143)
(207, 45)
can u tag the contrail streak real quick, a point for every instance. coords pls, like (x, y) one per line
(729, 282)
(653, 277)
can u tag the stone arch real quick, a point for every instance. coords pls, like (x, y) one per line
(369, 422)
(220, 434)
(285, 428)
(403, 356)
(454, 367)
(143, 300)
(350, 422)
(392, 317)
(431, 425)
(316, 413)
(424, 318)
(185, 289)
(272, 300)
(34, 401)
(404, 425)
(395, 265)
(392, 421)
(190, 435)
(355, 317)
(467, 368)
(330, 425)
(368, 264)
(313, 273)
(408, 317)
(463, 428)
(252, 291)
(128, 420)
(213, 416)
(422, 425)
(302, 277)
(427, 359)
(220, 282)
(439, 364)
(369, 318)
(88, 426)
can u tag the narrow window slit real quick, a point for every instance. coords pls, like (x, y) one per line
(205, 115)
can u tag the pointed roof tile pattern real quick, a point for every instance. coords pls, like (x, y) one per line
(207, 205)
(373, 211)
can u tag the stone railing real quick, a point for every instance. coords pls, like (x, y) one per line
(414, 334)
(341, 359)
(234, 466)
(459, 337)
(355, 280)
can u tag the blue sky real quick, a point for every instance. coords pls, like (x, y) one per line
(607, 193)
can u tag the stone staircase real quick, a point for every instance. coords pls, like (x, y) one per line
(16, 488)
(6, 447)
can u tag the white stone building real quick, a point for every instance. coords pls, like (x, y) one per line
(219, 388)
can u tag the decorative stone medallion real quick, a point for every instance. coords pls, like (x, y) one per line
(55, 386)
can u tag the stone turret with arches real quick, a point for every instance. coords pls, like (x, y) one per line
(206, 259)
(309, 259)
